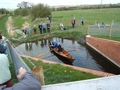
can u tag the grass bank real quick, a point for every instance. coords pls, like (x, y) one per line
(91, 16)
(3, 29)
(56, 73)
(18, 22)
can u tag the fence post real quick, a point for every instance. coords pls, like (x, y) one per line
(110, 30)
(88, 30)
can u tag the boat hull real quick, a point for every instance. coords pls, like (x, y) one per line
(64, 54)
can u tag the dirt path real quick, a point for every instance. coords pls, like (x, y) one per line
(10, 27)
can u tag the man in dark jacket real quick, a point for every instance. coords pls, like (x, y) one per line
(27, 81)
(59, 47)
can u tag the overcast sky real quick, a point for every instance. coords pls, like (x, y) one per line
(12, 4)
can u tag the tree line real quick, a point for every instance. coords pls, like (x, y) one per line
(27, 8)
(35, 11)
(79, 7)
(40, 10)
(4, 11)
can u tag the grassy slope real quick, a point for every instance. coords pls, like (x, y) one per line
(101, 15)
(91, 16)
(18, 21)
(56, 73)
(3, 29)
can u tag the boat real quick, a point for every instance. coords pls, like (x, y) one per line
(64, 54)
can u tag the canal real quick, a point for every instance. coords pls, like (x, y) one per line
(84, 56)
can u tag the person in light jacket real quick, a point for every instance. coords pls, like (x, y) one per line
(5, 75)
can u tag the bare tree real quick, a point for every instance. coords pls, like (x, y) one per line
(24, 4)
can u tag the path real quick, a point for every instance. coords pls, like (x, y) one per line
(9, 26)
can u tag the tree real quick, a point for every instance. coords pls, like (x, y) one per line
(17, 12)
(25, 5)
(40, 11)
(4, 11)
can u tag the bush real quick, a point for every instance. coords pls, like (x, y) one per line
(40, 11)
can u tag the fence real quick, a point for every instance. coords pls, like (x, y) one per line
(111, 30)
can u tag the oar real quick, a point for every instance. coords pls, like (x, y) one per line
(73, 49)
(38, 56)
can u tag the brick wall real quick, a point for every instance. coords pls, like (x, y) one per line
(108, 48)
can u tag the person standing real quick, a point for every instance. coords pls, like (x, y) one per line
(82, 21)
(28, 31)
(74, 20)
(44, 27)
(50, 18)
(5, 75)
(73, 23)
(48, 27)
(34, 28)
(40, 28)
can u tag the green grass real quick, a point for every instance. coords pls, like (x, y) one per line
(18, 22)
(56, 73)
(13, 75)
(3, 29)
(91, 16)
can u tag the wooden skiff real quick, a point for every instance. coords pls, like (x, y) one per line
(63, 53)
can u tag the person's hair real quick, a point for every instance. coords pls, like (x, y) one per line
(0, 36)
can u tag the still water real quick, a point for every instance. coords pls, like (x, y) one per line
(84, 56)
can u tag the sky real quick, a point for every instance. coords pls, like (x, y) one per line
(12, 4)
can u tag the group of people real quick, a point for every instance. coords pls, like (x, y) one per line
(43, 27)
(27, 80)
(55, 44)
(73, 22)
(101, 25)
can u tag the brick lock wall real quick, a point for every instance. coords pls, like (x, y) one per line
(108, 48)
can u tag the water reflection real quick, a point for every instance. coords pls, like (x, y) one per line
(42, 44)
(82, 54)
(36, 42)
(73, 42)
(45, 42)
(28, 46)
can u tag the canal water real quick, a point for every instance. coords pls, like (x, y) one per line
(84, 56)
